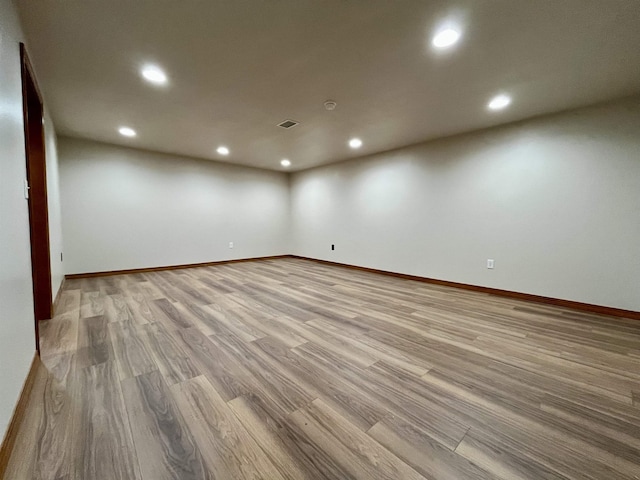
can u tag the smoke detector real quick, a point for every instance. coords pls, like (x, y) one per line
(330, 105)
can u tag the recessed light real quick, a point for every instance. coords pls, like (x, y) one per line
(499, 102)
(154, 74)
(127, 132)
(223, 150)
(355, 143)
(445, 38)
(285, 163)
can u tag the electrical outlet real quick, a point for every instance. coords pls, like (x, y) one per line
(333, 247)
(490, 263)
(230, 244)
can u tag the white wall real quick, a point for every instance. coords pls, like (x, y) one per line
(55, 213)
(555, 201)
(17, 343)
(126, 208)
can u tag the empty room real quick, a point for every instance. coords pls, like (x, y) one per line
(320, 239)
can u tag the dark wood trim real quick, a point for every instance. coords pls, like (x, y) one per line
(18, 414)
(36, 169)
(26, 64)
(585, 307)
(169, 267)
(56, 302)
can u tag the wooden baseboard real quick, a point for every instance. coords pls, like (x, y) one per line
(169, 267)
(56, 302)
(18, 414)
(584, 307)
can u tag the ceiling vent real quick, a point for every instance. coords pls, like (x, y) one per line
(288, 124)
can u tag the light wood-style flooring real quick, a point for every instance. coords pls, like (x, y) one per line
(290, 369)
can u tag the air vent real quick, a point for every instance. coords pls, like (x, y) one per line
(288, 124)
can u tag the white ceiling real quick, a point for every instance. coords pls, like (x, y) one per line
(237, 68)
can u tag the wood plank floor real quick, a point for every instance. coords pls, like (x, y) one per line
(290, 369)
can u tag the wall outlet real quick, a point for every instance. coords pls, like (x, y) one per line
(333, 247)
(230, 244)
(490, 263)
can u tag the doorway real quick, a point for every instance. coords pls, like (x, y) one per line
(36, 192)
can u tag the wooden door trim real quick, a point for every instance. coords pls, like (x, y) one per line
(35, 152)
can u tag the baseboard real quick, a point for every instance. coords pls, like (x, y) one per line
(18, 414)
(56, 302)
(584, 307)
(169, 267)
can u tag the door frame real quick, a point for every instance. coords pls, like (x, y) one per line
(33, 110)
